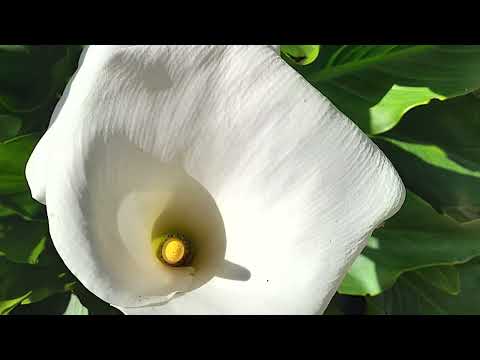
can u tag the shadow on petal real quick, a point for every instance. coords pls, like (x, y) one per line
(231, 271)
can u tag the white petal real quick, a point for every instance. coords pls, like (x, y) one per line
(298, 186)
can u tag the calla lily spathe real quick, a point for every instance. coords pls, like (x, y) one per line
(279, 190)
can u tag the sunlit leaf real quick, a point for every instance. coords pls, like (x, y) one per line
(417, 237)
(375, 85)
(413, 295)
(436, 150)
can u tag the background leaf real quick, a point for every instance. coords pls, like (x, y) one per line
(23, 205)
(417, 237)
(94, 304)
(75, 307)
(26, 284)
(14, 191)
(77, 302)
(33, 278)
(9, 126)
(412, 295)
(14, 155)
(300, 54)
(445, 278)
(5, 212)
(26, 80)
(22, 241)
(436, 150)
(346, 305)
(375, 85)
(56, 304)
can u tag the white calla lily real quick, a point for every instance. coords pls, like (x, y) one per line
(276, 190)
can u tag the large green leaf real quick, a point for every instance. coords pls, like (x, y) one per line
(79, 301)
(60, 73)
(94, 304)
(345, 305)
(14, 190)
(32, 79)
(26, 81)
(5, 212)
(334, 307)
(6, 306)
(26, 284)
(9, 126)
(59, 304)
(445, 278)
(56, 304)
(375, 85)
(75, 307)
(22, 241)
(436, 150)
(22, 204)
(413, 295)
(13, 158)
(300, 54)
(417, 237)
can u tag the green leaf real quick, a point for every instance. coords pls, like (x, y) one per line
(415, 238)
(300, 54)
(21, 49)
(413, 295)
(54, 305)
(5, 212)
(22, 204)
(94, 304)
(14, 191)
(58, 304)
(436, 150)
(334, 308)
(26, 284)
(75, 307)
(345, 305)
(14, 155)
(375, 85)
(60, 73)
(79, 301)
(25, 76)
(32, 79)
(9, 126)
(22, 241)
(63, 70)
(6, 306)
(444, 278)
